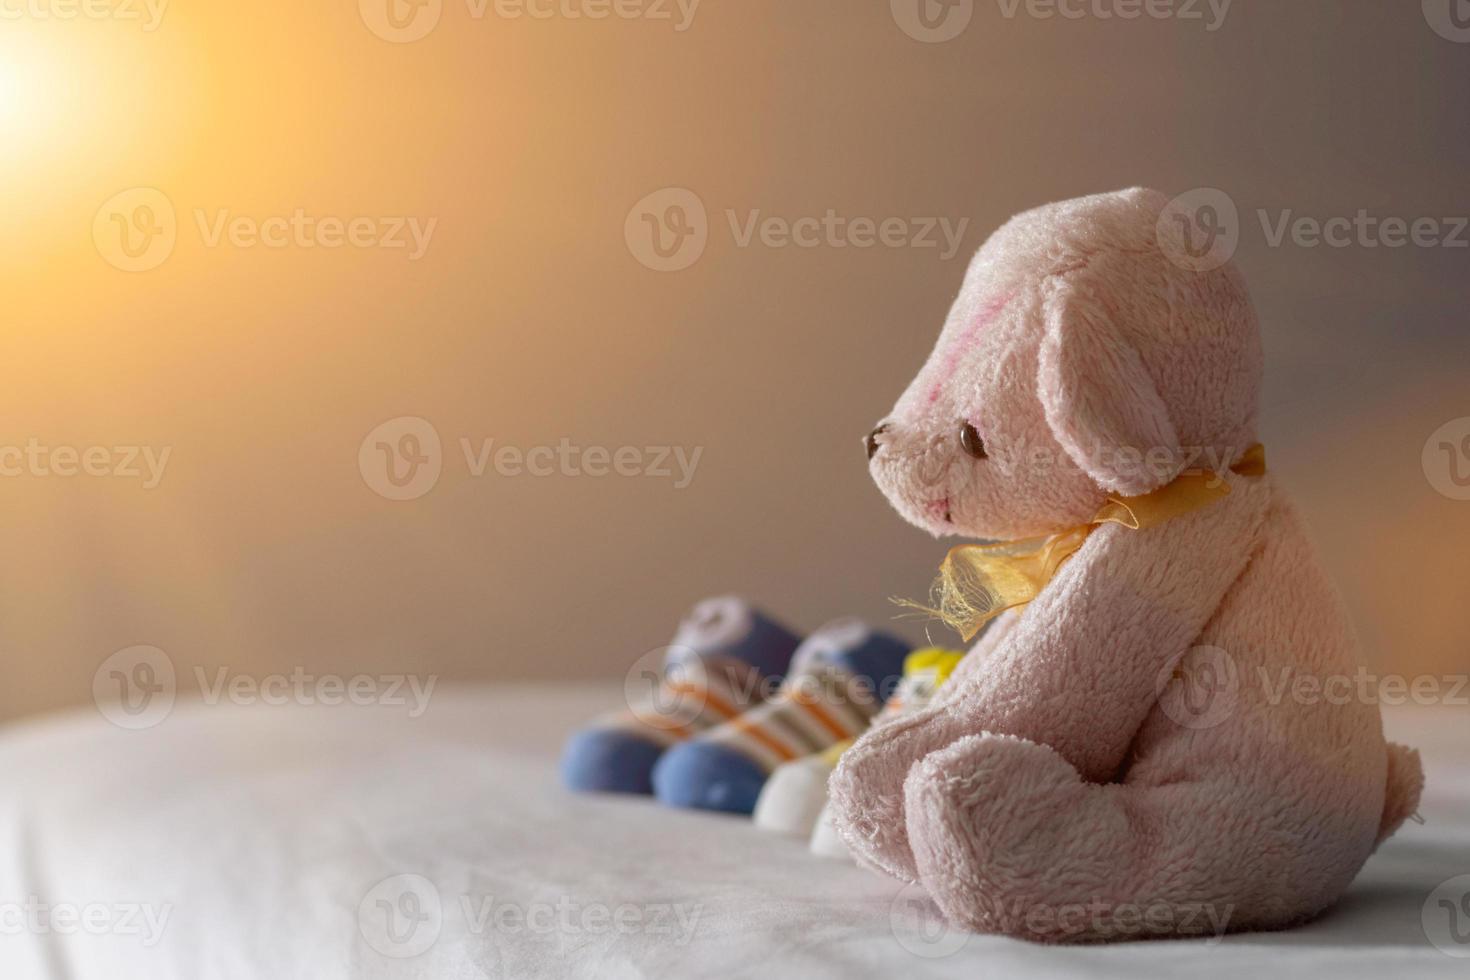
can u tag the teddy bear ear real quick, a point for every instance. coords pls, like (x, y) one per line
(1100, 402)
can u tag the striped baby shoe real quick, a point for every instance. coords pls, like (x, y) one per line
(792, 800)
(839, 678)
(725, 657)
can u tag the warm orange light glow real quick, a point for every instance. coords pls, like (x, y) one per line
(250, 234)
(22, 92)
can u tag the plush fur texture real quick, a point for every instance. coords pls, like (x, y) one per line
(1123, 745)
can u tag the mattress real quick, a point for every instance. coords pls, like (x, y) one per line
(350, 841)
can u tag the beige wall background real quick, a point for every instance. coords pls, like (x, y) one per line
(528, 319)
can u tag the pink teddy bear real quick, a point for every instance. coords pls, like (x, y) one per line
(1065, 767)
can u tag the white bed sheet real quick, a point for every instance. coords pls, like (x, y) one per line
(246, 842)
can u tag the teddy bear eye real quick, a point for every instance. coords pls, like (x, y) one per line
(971, 442)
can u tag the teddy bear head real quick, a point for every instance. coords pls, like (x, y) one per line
(1081, 360)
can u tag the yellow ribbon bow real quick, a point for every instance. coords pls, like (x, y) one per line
(978, 582)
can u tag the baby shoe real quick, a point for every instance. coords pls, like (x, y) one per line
(839, 678)
(724, 658)
(795, 795)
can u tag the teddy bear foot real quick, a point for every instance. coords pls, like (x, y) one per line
(1007, 838)
(867, 789)
(868, 820)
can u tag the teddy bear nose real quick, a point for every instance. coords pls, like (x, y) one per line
(872, 440)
